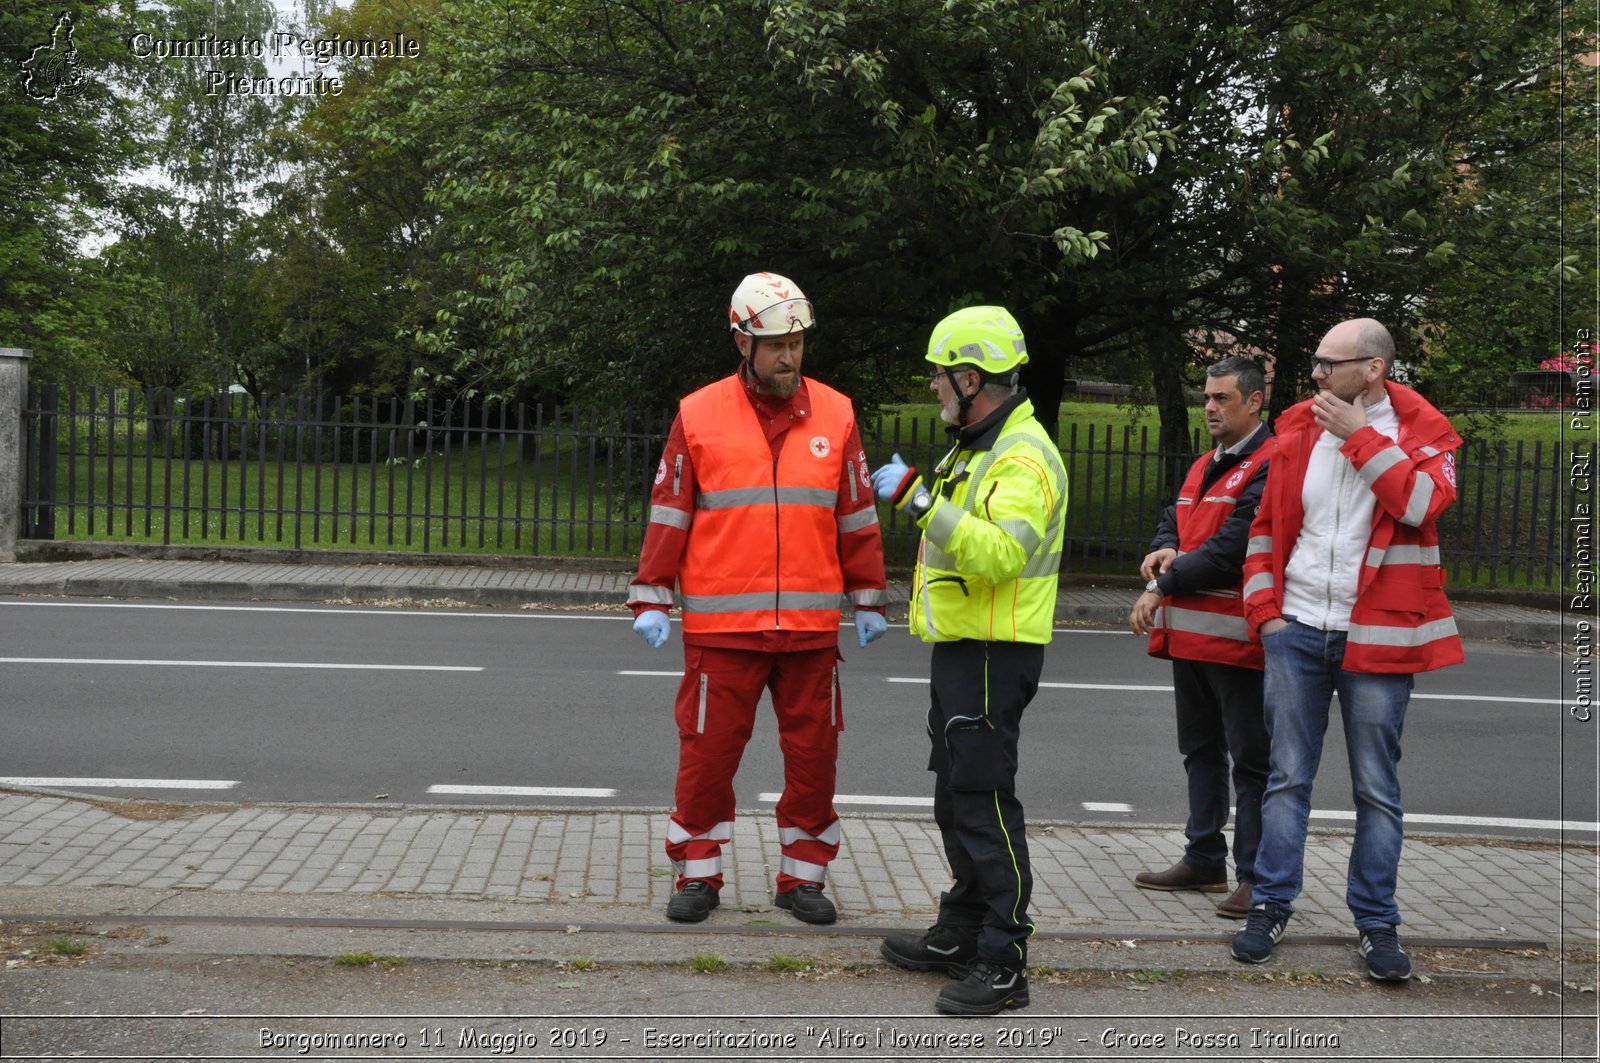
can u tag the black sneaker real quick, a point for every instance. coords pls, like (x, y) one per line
(1385, 960)
(807, 904)
(694, 902)
(1254, 943)
(988, 989)
(940, 948)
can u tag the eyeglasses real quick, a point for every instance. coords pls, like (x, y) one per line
(1327, 364)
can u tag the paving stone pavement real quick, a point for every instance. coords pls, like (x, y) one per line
(511, 582)
(890, 868)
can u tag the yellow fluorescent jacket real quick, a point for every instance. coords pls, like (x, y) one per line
(990, 555)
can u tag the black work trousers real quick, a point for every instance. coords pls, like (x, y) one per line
(1220, 718)
(974, 721)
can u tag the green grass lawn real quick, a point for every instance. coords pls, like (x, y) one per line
(577, 493)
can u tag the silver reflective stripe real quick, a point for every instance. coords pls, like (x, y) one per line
(942, 525)
(734, 497)
(1417, 507)
(1403, 555)
(1041, 565)
(700, 724)
(1429, 452)
(1258, 544)
(1022, 532)
(670, 516)
(869, 597)
(1185, 501)
(1381, 462)
(722, 832)
(802, 870)
(853, 522)
(790, 835)
(1376, 635)
(1261, 581)
(1232, 500)
(698, 868)
(746, 603)
(1198, 622)
(646, 592)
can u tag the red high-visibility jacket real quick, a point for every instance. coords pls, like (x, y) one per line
(1209, 625)
(1401, 621)
(763, 550)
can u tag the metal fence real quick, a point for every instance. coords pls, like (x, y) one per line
(359, 473)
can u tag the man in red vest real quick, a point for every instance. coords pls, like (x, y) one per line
(1193, 610)
(1344, 586)
(763, 517)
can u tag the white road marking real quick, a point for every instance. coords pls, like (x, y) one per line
(1418, 818)
(523, 791)
(863, 799)
(131, 784)
(677, 674)
(1106, 806)
(244, 664)
(1168, 689)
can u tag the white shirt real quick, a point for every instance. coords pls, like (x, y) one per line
(1324, 569)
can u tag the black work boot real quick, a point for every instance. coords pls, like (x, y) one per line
(807, 904)
(693, 903)
(939, 948)
(988, 989)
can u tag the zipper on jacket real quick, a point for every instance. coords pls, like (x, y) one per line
(777, 544)
(850, 474)
(700, 724)
(953, 579)
(677, 472)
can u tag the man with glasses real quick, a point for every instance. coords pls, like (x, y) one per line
(993, 517)
(1342, 580)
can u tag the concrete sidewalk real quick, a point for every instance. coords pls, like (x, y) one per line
(499, 583)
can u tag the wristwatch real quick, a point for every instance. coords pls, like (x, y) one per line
(921, 502)
(1152, 587)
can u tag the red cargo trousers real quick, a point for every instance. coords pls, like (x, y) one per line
(716, 710)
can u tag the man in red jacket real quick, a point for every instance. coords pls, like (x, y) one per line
(763, 517)
(1193, 612)
(1342, 580)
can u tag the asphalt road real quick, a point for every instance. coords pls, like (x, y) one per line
(330, 704)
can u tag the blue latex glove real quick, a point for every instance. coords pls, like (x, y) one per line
(890, 482)
(653, 626)
(870, 626)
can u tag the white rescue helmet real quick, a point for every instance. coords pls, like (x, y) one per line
(767, 304)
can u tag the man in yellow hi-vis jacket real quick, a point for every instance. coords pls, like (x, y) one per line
(984, 593)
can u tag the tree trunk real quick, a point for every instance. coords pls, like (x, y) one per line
(1169, 359)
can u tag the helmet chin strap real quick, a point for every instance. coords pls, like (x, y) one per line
(963, 400)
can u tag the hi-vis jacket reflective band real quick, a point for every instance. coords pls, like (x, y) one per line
(1209, 626)
(990, 556)
(1401, 621)
(764, 553)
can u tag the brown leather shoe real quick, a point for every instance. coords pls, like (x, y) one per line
(1237, 906)
(1179, 876)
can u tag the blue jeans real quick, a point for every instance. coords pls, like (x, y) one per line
(1303, 671)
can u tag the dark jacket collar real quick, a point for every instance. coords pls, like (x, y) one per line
(982, 435)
